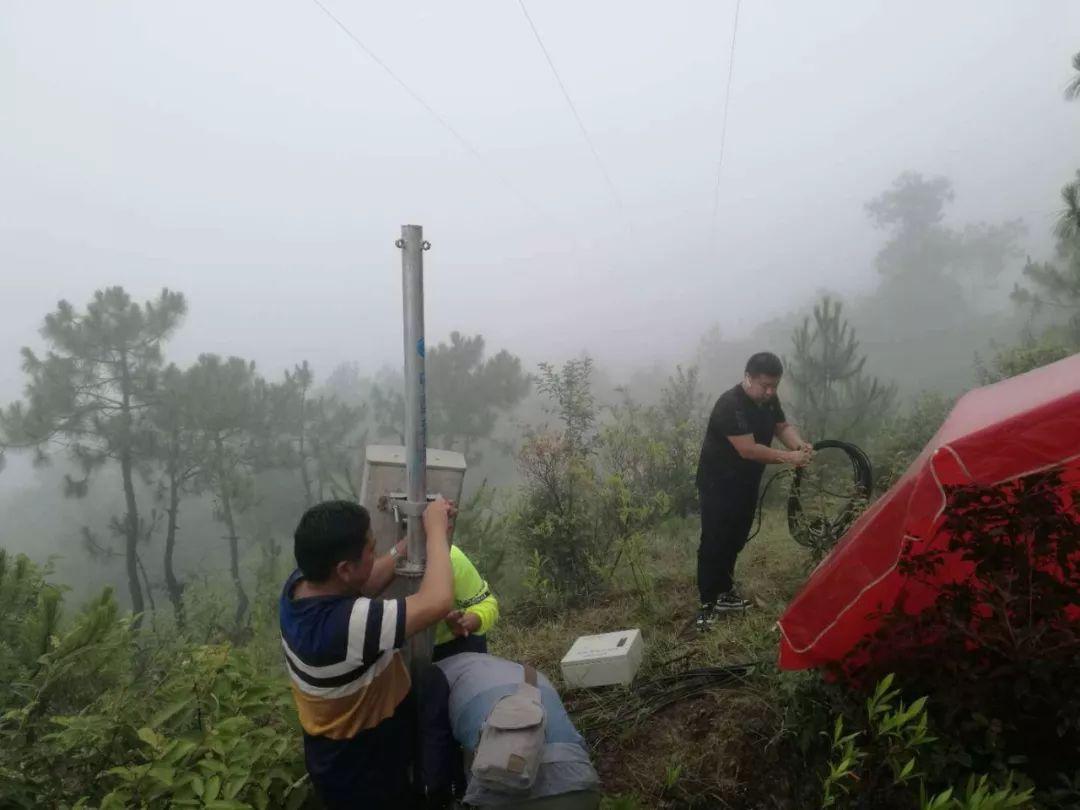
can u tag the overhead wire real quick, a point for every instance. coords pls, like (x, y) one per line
(724, 120)
(464, 142)
(573, 107)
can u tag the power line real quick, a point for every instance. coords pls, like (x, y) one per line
(461, 139)
(573, 108)
(723, 125)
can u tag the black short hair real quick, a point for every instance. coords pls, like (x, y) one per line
(764, 363)
(328, 533)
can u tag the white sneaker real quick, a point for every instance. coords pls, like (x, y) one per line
(706, 618)
(730, 601)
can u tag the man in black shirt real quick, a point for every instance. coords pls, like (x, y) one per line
(736, 449)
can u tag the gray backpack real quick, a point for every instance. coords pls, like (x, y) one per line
(507, 759)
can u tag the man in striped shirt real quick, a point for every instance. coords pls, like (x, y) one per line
(349, 681)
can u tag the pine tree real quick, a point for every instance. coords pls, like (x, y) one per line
(230, 415)
(833, 396)
(180, 462)
(318, 436)
(90, 394)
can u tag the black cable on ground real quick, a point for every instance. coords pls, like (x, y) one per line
(615, 710)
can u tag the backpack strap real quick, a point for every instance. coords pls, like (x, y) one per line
(530, 674)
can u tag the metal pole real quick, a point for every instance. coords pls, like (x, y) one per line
(412, 294)
(412, 246)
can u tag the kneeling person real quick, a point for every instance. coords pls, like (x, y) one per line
(460, 693)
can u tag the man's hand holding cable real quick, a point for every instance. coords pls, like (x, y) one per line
(800, 457)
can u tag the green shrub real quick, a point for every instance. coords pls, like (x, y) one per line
(902, 438)
(998, 648)
(886, 764)
(97, 716)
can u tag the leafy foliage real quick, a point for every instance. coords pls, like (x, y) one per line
(31, 612)
(591, 494)
(912, 205)
(1055, 285)
(1030, 353)
(884, 765)
(901, 438)
(483, 530)
(92, 720)
(388, 409)
(467, 392)
(1072, 91)
(569, 389)
(90, 394)
(318, 436)
(178, 452)
(834, 397)
(998, 644)
(932, 273)
(557, 517)
(230, 413)
(221, 734)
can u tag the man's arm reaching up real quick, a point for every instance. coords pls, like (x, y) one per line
(435, 598)
(382, 572)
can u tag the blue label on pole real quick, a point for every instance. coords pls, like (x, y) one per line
(420, 347)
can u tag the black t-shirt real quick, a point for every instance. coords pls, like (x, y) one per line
(735, 414)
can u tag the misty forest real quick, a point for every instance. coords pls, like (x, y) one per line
(162, 430)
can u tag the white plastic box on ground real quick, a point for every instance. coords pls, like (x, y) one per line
(603, 660)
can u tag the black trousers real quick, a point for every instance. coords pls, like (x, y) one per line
(442, 769)
(727, 514)
(369, 772)
(459, 644)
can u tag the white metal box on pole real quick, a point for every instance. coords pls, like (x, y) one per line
(383, 485)
(603, 660)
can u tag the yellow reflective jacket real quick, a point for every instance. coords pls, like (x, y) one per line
(471, 594)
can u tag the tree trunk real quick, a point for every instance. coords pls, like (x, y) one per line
(131, 518)
(304, 477)
(175, 588)
(234, 540)
(149, 592)
(131, 538)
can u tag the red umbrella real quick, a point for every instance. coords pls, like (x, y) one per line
(1023, 425)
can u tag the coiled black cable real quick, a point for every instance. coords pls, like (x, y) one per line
(821, 533)
(761, 501)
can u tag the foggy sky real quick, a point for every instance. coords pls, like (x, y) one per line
(250, 155)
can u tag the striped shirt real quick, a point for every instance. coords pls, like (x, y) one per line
(348, 680)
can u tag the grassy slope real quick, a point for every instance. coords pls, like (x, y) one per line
(712, 750)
